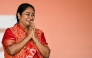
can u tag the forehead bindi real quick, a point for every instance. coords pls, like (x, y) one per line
(29, 10)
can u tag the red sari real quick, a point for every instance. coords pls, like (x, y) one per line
(17, 34)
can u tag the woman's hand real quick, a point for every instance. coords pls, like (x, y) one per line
(31, 30)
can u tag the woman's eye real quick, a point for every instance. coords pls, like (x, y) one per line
(33, 15)
(28, 14)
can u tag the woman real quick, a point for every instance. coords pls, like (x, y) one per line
(23, 40)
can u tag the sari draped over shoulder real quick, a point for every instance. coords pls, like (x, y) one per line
(17, 34)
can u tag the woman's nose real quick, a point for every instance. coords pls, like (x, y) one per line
(30, 17)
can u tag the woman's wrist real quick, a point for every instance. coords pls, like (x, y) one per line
(26, 39)
(35, 40)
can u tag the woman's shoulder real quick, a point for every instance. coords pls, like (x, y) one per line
(38, 30)
(9, 29)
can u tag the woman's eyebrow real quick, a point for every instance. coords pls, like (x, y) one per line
(28, 12)
(32, 13)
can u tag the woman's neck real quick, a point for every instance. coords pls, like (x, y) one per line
(24, 27)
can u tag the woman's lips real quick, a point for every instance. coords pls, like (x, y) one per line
(28, 21)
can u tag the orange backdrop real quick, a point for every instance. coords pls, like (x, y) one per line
(67, 24)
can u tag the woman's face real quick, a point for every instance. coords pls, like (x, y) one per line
(27, 16)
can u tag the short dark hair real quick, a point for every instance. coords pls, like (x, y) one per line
(22, 8)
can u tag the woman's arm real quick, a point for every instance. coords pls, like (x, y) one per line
(43, 48)
(9, 42)
(15, 47)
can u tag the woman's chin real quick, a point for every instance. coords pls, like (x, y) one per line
(27, 24)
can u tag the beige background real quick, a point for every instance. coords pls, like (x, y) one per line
(67, 24)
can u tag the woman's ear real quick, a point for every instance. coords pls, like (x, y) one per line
(18, 15)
